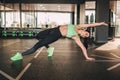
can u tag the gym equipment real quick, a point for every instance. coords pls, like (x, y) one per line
(30, 34)
(14, 34)
(18, 34)
(35, 33)
(9, 34)
(25, 34)
(4, 34)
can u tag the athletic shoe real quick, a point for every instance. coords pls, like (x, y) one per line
(17, 56)
(50, 51)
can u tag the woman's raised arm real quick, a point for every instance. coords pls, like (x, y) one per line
(79, 26)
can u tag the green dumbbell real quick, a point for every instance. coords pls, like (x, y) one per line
(14, 34)
(30, 34)
(21, 33)
(5, 34)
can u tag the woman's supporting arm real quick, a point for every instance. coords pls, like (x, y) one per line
(80, 44)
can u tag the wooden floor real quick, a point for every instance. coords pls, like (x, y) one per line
(67, 62)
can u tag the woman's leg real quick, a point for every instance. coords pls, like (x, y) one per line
(34, 48)
(53, 35)
(40, 36)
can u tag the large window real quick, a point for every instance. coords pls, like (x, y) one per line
(90, 16)
(90, 11)
(34, 15)
(52, 19)
(116, 16)
(10, 17)
(12, 20)
(44, 19)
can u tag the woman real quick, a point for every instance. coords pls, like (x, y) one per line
(51, 35)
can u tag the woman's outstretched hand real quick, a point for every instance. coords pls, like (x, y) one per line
(90, 59)
(104, 24)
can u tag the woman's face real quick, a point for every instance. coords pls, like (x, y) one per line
(83, 33)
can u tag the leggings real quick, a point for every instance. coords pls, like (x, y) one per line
(44, 39)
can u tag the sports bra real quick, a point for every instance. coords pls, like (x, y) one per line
(71, 31)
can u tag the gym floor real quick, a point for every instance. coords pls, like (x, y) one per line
(67, 62)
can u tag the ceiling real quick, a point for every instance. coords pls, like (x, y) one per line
(45, 1)
(90, 4)
(46, 7)
(49, 7)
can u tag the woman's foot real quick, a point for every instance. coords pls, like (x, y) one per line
(50, 51)
(17, 56)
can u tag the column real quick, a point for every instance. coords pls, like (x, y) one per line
(102, 14)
